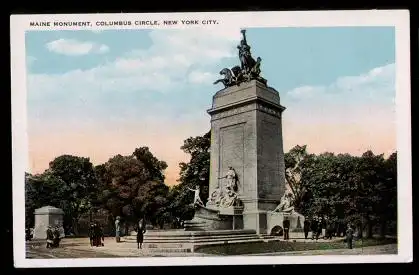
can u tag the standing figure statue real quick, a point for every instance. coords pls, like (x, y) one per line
(197, 198)
(248, 70)
(246, 59)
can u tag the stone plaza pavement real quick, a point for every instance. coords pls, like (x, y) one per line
(80, 248)
(370, 250)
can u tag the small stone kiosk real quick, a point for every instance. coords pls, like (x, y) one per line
(45, 216)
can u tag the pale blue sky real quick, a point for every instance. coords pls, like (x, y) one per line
(292, 57)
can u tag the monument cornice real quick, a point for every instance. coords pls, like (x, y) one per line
(244, 86)
(247, 101)
(261, 200)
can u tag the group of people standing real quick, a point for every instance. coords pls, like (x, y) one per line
(320, 226)
(96, 235)
(328, 229)
(53, 236)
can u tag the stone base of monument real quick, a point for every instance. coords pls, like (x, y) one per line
(214, 218)
(189, 241)
(210, 226)
(275, 221)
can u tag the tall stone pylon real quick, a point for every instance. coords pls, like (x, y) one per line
(246, 134)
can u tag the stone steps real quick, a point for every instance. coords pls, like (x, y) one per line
(188, 241)
(195, 239)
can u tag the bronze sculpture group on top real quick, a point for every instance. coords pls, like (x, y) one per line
(249, 68)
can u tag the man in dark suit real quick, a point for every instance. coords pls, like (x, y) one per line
(306, 228)
(349, 236)
(313, 225)
(141, 229)
(329, 229)
(50, 237)
(286, 225)
(91, 234)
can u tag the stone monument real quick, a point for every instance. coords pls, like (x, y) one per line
(247, 169)
(246, 144)
(47, 216)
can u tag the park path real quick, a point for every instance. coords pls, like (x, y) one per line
(369, 250)
(80, 248)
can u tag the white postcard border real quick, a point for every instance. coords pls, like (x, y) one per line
(397, 18)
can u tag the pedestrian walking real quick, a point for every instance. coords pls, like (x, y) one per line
(98, 236)
(118, 229)
(50, 237)
(349, 236)
(140, 233)
(91, 233)
(313, 227)
(329, 229)
(306, 228)
(286, 225)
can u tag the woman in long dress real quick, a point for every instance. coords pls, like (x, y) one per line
(140, 233)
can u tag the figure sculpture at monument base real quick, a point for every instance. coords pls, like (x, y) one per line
(286, 210)
(223, 210)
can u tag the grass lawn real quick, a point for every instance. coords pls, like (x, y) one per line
(282, 246)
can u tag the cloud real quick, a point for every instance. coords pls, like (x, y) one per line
(201, 77)
(351, 115)
(174, 58)
(74, 47)
(378, 83)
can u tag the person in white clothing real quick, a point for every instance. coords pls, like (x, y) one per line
(197, 198)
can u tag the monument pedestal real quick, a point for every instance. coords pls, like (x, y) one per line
(189, 241)
(215, 218)
(246, 134)
(275, 220)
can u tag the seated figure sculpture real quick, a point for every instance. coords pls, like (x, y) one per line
(285, 205)
(226, 195)
(230, 199)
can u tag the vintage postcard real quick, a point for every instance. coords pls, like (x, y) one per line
(211, 138)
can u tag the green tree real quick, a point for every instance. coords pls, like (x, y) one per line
(324, 178)
(295, 161)
(376, 190)
(40, 190)
(360, 190)
(388, 206)
(133, 186)
(154, 167)
(75, 185)
(194, 173)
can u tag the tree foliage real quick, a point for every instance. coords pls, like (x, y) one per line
(192, 174)
(345, 188)
(357, 189)
(133, 186)
(69, 184)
